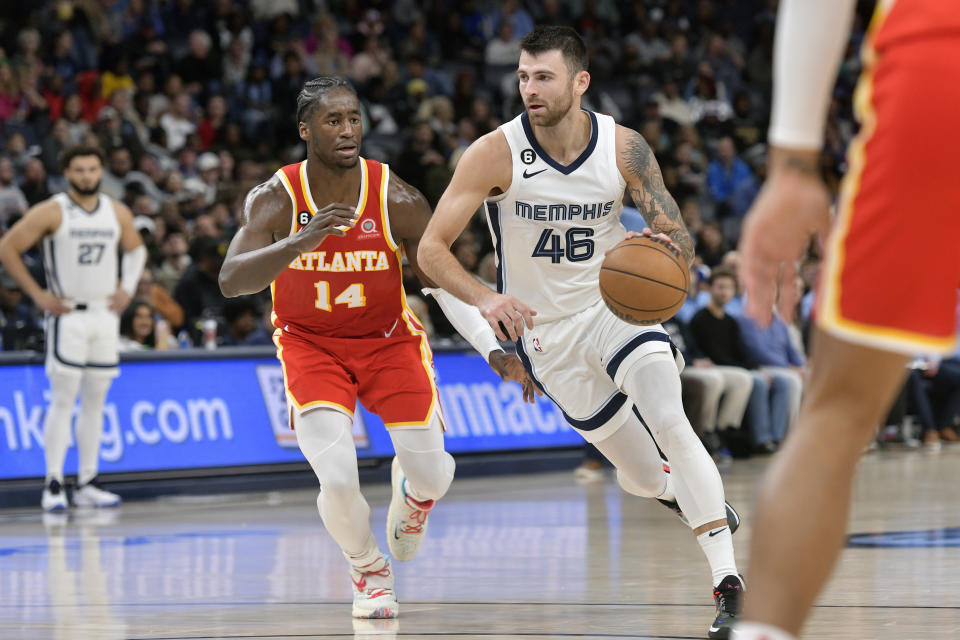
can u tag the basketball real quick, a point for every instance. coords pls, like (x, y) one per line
(644, 280)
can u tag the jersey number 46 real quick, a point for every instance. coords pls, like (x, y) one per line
(579, 246)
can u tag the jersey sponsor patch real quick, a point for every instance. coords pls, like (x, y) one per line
(368, 229)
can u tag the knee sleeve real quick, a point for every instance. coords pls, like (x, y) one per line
(56, 425)
(428, 467)
(324, 436)
(93, 395)
(633, 452)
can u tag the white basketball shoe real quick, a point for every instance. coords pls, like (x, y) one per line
(373, 595)
(406, 519)
(54, 497)
(91, 495)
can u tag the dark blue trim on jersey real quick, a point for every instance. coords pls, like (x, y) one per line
(50, 255)
(493, 213)
(601, 417)
(650, 336)
(573, 166)
(64, 361)
(80, 206)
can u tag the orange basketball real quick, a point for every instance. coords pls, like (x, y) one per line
(644, 280)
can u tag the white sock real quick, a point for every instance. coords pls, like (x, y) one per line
(365, 558)
(757, 631)
(717, 545)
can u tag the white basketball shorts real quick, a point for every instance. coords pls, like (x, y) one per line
(84, 341)
(580, 362)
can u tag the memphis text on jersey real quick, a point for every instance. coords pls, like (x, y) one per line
(341, 261)
(559, 212)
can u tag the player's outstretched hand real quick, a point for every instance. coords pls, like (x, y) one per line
(506, 315)
(792, 206)
(335, 219)
(509, 367)
(51, 303)
(119, 301)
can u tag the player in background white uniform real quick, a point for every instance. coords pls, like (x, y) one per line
(81, 230)
(553, 180)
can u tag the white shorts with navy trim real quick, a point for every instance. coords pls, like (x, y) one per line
(84, 342)
(580, 362)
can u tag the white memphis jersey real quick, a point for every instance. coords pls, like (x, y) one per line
(80, 257)
(553, 225)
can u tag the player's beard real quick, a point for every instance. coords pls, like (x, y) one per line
(85, 192)
(557, 111)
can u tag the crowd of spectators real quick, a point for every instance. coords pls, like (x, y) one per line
(193, 103)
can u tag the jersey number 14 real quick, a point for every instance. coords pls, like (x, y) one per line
(352, 296)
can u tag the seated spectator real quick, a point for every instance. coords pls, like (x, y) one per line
(176, 259)
(718, 338)
(20, 326)
(773, 352)
(242, 327)
(139, 329)
(159, 299)
(35, 186)
(722, 396)
(710, 244)
(726, 172)
(198, 292)
(933, 389)
(12, 200)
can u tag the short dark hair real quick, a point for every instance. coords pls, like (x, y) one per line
(79, 151)
(721, 272)
(315, 89)
(564, 39)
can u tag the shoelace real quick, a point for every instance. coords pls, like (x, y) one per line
(417, 517)
(727, 599)
(362, 583)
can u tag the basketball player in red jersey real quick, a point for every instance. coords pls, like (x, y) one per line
(344, 331)
(878, 303)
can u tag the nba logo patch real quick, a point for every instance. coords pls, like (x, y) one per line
(536, 345)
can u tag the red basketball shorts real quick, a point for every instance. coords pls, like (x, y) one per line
(892, 264)
(393, 377)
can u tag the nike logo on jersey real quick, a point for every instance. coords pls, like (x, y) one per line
(387, 334)
(527, 174)
(718, 531)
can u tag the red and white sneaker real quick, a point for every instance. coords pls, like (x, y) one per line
(373, 595)
(406, 519)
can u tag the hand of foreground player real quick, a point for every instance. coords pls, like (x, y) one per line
(509, 367)
(335, 219)
(792, 206)
(51, 304)
(119, 301)
(506, 315)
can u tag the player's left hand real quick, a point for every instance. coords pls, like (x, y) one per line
(509, 367)
(792, 206)
(648, 233)
(119, 301)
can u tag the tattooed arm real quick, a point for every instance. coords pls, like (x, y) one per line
(639, 168)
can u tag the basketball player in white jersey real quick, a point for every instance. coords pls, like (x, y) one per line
(552, 181)
(81, 230)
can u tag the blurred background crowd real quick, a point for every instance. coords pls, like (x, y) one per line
(193, 103)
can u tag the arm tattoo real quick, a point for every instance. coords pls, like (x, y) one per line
(651, 197)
